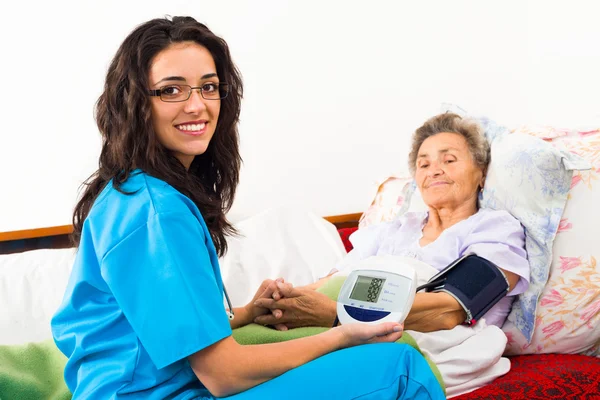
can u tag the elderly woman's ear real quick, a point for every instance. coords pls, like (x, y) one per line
(481, 184)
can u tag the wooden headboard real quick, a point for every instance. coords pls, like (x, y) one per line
(58, 237)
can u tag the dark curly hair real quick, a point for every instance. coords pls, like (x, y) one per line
(123, 116)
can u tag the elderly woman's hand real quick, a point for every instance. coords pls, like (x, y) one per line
(298, 307)
(268, 289)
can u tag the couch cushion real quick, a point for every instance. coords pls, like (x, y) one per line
(345, 235)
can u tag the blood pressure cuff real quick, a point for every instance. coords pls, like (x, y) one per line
(476, 283)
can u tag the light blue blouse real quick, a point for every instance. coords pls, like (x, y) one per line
(145, 292)
(492, 234)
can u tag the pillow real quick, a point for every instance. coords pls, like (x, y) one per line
(530, 179)
(549, 133)
(568, 313)
(297, 245)
(32, 286)
(392, 199)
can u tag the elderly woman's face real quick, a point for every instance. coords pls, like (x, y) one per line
(446, 173)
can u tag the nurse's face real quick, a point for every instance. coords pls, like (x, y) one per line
(185, 127)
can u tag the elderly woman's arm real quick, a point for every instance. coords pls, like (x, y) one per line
(307, 307)
(434, 312)
(303, 306)
(437, 311)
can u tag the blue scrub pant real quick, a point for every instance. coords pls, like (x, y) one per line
(373, 371)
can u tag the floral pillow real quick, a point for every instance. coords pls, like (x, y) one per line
(567, 319)
(530, 179)
(392, 199)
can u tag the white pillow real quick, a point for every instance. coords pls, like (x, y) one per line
(297, 245)
(32, 286)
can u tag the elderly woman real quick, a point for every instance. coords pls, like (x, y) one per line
(448, 159)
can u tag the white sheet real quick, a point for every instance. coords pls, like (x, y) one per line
(467, 357)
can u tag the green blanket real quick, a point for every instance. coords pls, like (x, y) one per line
(35, 370)
(32, 371)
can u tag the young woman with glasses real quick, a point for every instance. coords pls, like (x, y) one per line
(143, 314)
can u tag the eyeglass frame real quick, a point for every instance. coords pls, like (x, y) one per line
(158, 92)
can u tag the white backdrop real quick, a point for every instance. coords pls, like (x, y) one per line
(333, 89)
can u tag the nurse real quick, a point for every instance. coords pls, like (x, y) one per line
(143, 314)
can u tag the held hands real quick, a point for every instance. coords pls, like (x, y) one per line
(267, 289)
(295, 307)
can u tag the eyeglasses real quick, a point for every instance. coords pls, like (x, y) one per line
(177, 93)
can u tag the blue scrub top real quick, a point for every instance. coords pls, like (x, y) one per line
(145, 292)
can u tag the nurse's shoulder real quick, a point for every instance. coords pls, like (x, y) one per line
(140, 199)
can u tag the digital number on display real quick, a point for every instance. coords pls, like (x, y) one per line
(367, 289)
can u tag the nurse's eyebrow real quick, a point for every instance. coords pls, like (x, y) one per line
(182, 79)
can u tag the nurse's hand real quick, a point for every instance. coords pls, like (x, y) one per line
(357, 333)
(267, 289)
(273, 291)
(298, 307)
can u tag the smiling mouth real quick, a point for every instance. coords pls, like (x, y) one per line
(191, 127)
(438, 184)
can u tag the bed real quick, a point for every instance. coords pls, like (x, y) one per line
(540, 376)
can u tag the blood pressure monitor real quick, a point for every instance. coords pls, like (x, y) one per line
(378, 289)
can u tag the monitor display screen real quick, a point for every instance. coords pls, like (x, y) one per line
(367, 289)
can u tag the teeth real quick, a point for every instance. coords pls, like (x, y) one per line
(192, 127)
